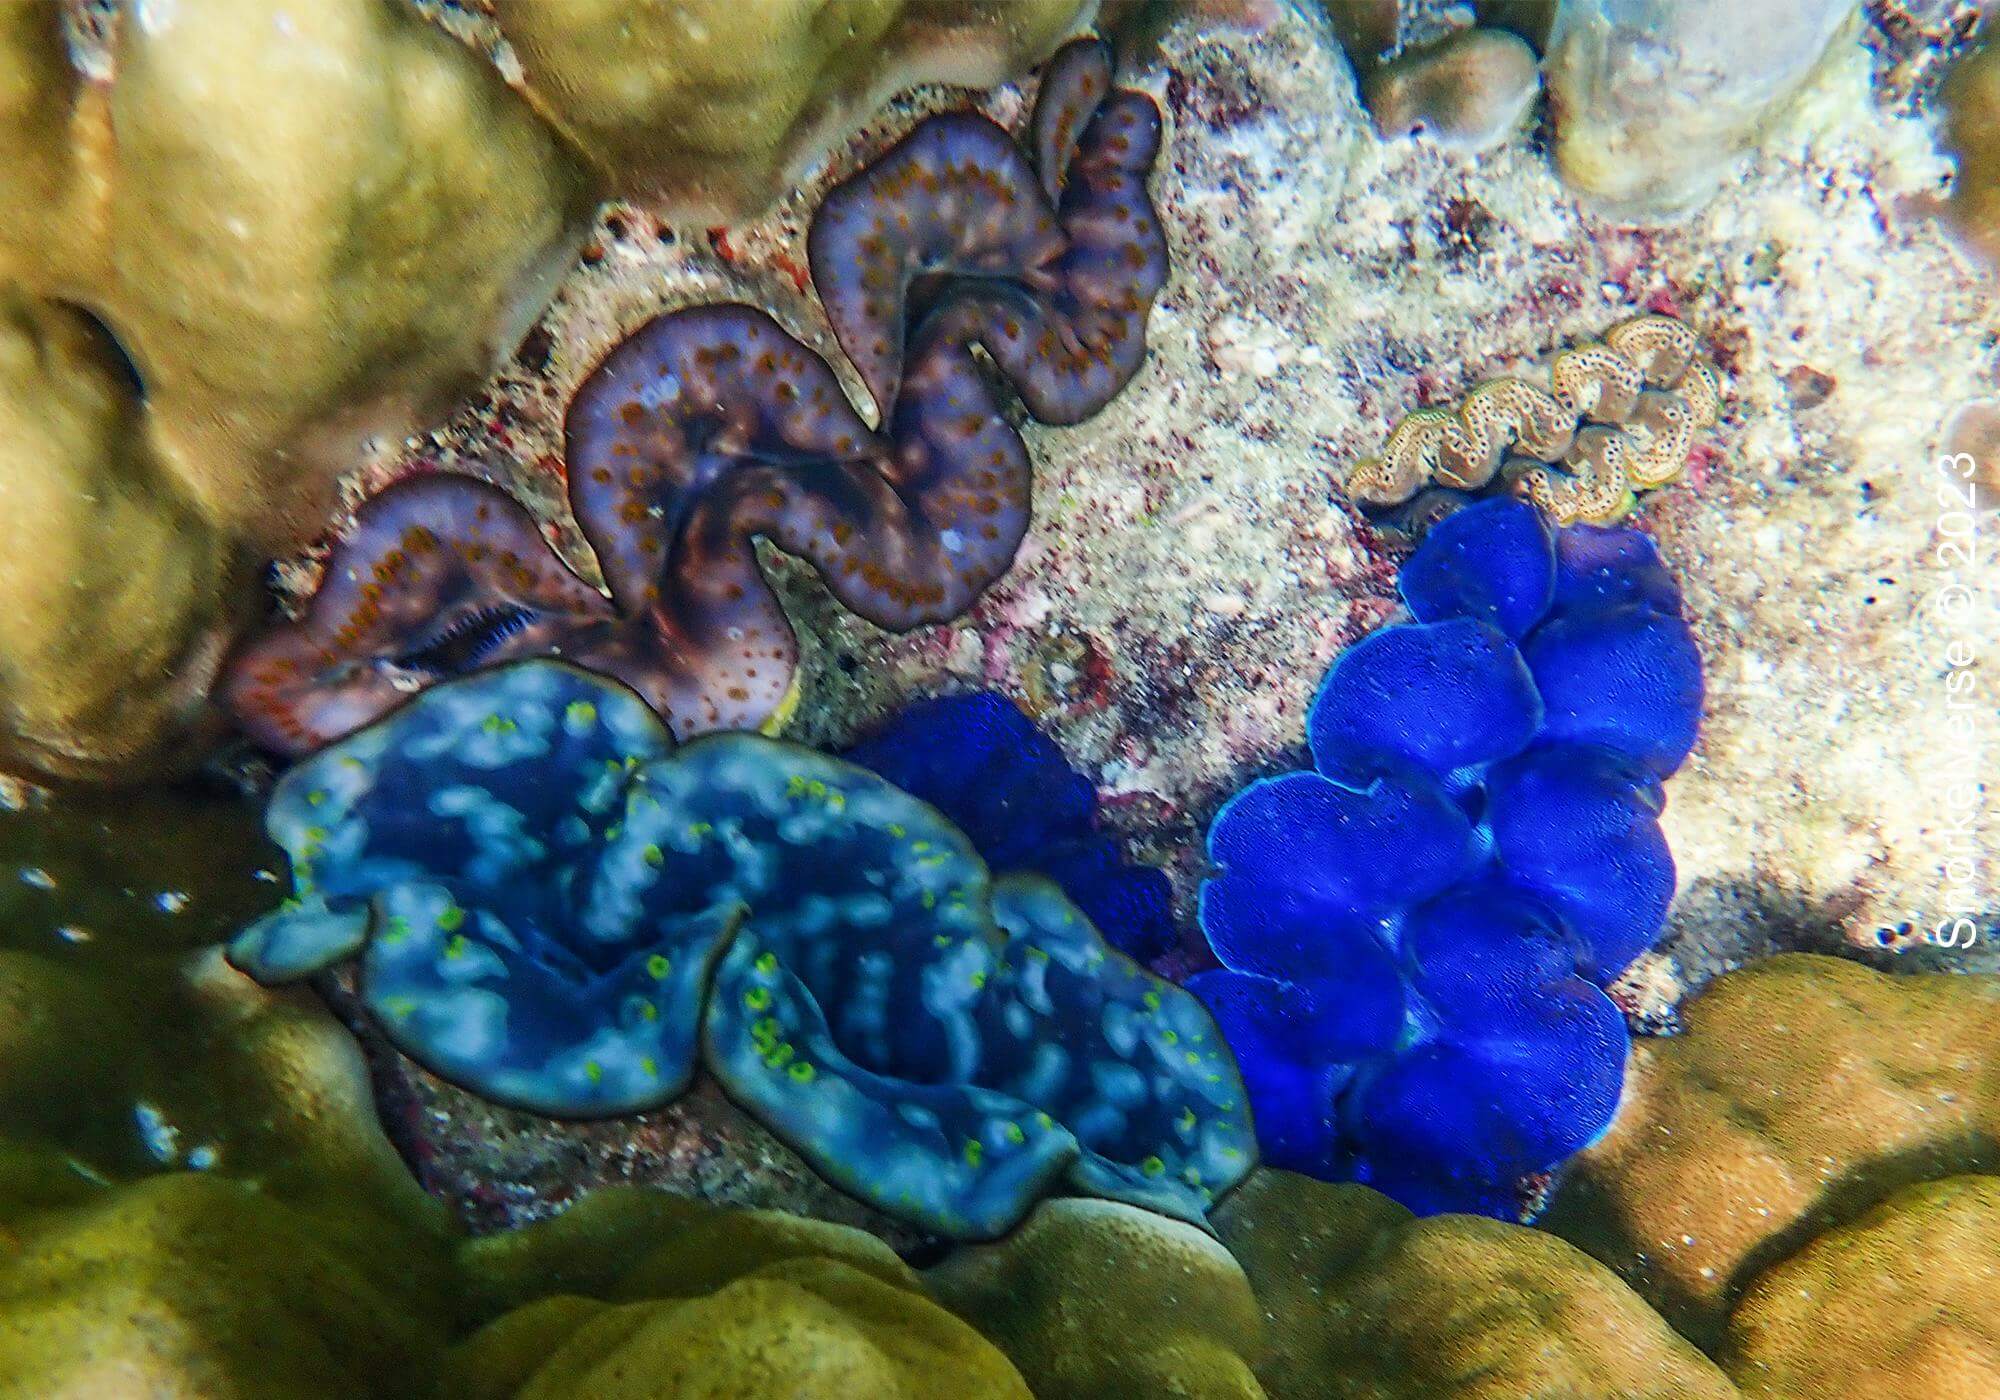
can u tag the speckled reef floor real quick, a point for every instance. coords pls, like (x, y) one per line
(1193, 566)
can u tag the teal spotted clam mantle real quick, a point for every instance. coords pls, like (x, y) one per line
(558, 910)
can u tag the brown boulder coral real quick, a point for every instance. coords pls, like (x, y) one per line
(190, 1286)
(709, 107)
(195, 1198)
(119, 1066)
(632, 1293)
(43, 133)
(805, 1327)
(1099, 1301)
(1804, 1090)
(1897, 1306)
(330, 246)
(325, 248)
(119, 593)
(1971, 102)
(1365, 1299)
(625, 1244)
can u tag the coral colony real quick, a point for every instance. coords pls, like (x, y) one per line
(712, 426)
(558, 910)
(1415, 936)
(1621, 420)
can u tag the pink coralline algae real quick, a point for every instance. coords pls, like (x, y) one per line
(711, 427)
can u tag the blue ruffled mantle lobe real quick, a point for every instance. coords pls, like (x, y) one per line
(1415, 937)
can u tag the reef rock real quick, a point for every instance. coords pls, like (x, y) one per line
(1655, 99)
(1803, 1090)
(1193, 565)
(1366, 1300)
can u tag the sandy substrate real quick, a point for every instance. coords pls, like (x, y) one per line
(1193, 566)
